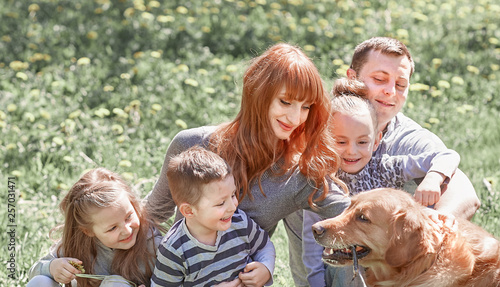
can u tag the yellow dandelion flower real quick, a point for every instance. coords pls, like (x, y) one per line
(181, 10)
(33, 8)
(202, 72)
(444, 84)
(101, 112)
(156, 54)
(154, 4)
(261, 2)
(68, 158)
(117, 129)
(2, 115)
(434, 121)
(128, 176)
(138, 55)
(436, 93)
(58, 141)
(437, 62)
(135, 104)
(419, 87)
(226, 78)
(147, 16)
(305, 21)
(156, 107)
(17, 173)
(125, 163)
(10, 146)
(309, 48)
(338, 62)
(40, 126)
(6, 38)
(494, 67)
(108, 88)
(44, 114)
(83, 61)
(180, 123)
(493, 41)
(120, 139)
(2, 124)
(11, 107)
(125, 76)
(183, 68)
(276, 6)
(191, 82)
(75, 114)
(29, 117)
(92, 35)
(209, 90)
(165, 18)
(358, 30)
(206, 29)
(18, 65)
(457, 80)
(22, 76)
(129, 12)
(231, 68)
(473, 69)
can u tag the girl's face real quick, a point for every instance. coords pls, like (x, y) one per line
(286, 115)
(116, 226)
(355, 140)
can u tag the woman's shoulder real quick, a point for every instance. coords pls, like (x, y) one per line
(191, 137)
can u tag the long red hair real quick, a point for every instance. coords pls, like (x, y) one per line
(99, 188)
(248, 143)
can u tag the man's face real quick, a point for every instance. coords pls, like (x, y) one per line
(387, 78)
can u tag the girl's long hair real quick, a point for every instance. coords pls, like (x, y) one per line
(248, 143)
(99, 188)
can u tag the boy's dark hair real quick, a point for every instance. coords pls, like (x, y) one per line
(190, 170)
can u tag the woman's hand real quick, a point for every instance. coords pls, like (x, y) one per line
(62, 271)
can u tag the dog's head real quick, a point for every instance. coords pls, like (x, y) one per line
(385, 226)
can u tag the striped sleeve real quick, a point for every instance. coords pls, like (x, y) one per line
(169, 268)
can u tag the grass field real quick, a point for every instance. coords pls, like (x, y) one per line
(109, 83)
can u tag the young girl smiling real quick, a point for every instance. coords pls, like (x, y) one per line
(106, 230)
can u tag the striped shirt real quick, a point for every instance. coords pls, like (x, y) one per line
(183, 261)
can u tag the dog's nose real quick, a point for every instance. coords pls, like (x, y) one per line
(318, 230)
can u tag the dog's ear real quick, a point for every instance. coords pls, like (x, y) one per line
(406, 242)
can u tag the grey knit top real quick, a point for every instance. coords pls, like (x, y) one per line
(284, 194)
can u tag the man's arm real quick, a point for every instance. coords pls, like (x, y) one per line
(459, 197)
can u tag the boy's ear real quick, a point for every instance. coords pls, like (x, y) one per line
(186, 209)
(378, 138)
(351, 74)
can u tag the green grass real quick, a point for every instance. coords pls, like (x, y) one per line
(109, 83)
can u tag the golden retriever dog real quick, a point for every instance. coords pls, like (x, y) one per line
(399, 245)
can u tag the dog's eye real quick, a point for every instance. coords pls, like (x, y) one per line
(362, 217)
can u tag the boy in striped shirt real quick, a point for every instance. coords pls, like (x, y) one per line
(215, 242)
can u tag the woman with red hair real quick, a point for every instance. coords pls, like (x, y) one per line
(278, 146)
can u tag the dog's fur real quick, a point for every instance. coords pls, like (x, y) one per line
(399, 245)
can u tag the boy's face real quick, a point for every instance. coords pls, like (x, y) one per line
(355, 140)
(216, 207)
(387, 78)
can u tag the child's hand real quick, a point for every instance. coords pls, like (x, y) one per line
(428, 191)
(255, 274)
(62, 271)
(235, 283)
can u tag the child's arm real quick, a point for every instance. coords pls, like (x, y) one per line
(428, 192)
(443, 165)
(260, 271)
(52, 266)
(430, 166)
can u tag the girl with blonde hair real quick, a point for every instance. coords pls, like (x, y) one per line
(278, 146)
(106, 230)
